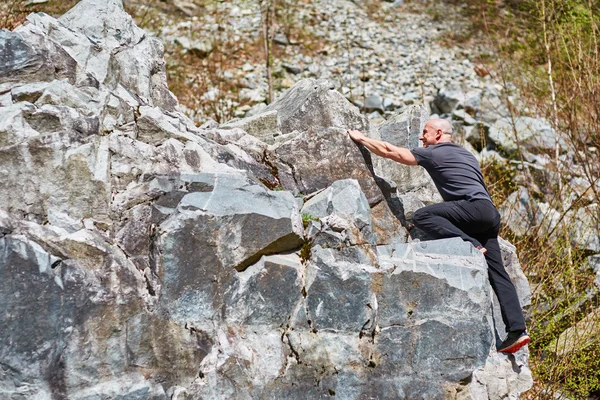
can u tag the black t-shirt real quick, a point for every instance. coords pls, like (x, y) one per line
(454, 171)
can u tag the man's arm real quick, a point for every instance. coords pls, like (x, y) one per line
(384, 149)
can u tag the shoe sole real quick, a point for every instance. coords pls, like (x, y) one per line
(516, 346)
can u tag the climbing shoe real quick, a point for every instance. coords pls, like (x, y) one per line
(514, 341)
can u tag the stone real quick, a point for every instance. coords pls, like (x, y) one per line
(164, 265)
(28, 57)
(403, 130)
(533, 134)
(450, 98)
(344, 200)
(585, 229)
(404, 127)
(200, 48)
(292, 69)
(264, 126)
(77, 185)
(374, 103)
(500, 378)
(315, 159)
(29, 92)
(313, 103)
(154, 127)
(281, 39)
(578, 337)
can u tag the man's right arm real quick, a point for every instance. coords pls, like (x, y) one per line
(384, 149)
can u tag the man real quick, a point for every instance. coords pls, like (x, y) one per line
(467, 211)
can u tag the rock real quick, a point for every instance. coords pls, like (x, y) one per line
(26, 55)
(585, 231)
(374, 103)
(315, 159)
(158, 264)
(594, 263)
(292, 69)
(77, 186)
(578, 337)
(344, 200)
(410, 305)
(187, 7)
(200, 48)
(500, 378)
(463, 116)
(404, 127)
(533, 134)
(522, 214)
(450, 98)
(154, 127)
(281, 39)
(313, 103)
(264, 126)
(29, 93)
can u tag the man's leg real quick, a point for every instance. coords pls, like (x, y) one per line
(510, 307)
(445, 220)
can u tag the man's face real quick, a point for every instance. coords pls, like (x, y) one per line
(428, 136)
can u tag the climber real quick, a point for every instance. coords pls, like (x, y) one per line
(467, 211)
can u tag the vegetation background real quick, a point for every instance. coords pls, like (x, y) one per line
(548, 50)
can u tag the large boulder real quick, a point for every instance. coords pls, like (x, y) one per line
(144, 258)
(315, 104)
(532, 134)
(26, 55)
(316, 158)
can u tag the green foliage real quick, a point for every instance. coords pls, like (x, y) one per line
(306, 218)
(499, 178)
(305, 251)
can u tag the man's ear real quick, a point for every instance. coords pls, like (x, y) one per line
(438, 134)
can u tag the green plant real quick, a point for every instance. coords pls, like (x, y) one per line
(305, 251)
(306, 218)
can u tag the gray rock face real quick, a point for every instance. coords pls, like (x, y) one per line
(530, 133)
(313, 103)
(28, 56)
(316, 158)
(404, 128)
(142, 257)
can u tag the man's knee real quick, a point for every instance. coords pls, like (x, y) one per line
(419, 217)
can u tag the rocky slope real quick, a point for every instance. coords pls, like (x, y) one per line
(142, 257)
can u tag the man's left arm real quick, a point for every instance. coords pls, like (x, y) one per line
(384, 149)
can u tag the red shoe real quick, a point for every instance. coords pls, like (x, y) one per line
(514, 341)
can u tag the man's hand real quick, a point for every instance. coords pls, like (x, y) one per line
(355, 135)
(383, 149)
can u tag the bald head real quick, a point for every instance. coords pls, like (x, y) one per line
(436, 131)
(442, 124)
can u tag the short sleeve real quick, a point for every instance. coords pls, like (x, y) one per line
(423, 156)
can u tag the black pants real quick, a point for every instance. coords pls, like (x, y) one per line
(478, 222)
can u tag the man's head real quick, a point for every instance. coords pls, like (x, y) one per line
(436, 131)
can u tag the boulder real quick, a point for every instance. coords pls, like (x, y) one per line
(316, 158)
(345, 201)
(531, 134)
(314, 104)
(27, 56)
(264, 126)
(450, 98)
(144, 258)
(585, 228)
